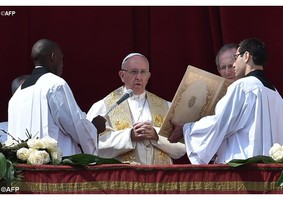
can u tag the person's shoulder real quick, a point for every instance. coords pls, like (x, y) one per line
(155, 96)
(248, 80)
(52, 82)
(118, 92)
(98, 103)
(53, 79)
(247, 83)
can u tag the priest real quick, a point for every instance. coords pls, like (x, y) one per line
(131, 134)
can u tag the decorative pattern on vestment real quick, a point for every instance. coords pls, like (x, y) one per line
(121, 118)
(161, 158)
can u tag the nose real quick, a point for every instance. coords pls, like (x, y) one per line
(139, 75)
(229, 70)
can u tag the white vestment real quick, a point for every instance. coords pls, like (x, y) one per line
(48, 108)
(117, 143)
(247, 122)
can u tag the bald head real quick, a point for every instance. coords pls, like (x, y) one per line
(47, 53)
(41, 49)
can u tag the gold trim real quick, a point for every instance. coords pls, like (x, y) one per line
(156, 187)
(196, 97)
(120, 119)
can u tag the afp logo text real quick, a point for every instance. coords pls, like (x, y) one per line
(8, 13)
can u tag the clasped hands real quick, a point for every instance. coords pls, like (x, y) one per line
(143, 131)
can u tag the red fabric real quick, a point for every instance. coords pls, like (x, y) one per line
(157, 179)
(95, 39)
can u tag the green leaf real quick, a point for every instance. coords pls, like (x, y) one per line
(87, 159)
(3, 165)
(6, 170)
(255, 159)
(10, 172)
(280, 180)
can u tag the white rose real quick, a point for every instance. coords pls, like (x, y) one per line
(49, 143)
(276, 152)
(278, 156)
(35, 144)
(23, 153)
(274, 148)
(45, 156)
(35, 158)
(38, 157)
(56, 156)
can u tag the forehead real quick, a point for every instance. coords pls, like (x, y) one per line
(226, 56)
(139, 62)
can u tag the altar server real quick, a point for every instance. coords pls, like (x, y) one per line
(44, 105)
(247, 120)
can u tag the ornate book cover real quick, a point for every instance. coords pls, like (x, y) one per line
(196, 97)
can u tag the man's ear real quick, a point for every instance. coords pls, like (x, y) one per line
(53, 57)
(247, 56)
(149, 75)
(121, 74)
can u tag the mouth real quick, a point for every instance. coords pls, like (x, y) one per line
(137, 84)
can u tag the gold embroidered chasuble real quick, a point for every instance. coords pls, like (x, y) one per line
(121, 118)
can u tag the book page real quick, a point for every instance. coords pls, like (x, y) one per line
(196, 97)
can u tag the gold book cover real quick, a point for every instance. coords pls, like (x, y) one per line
(196, 97)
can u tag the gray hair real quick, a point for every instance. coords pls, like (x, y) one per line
(223, 49)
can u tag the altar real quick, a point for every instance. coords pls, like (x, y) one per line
(154, 179)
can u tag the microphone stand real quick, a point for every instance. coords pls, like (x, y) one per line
(128, 94)
(111, 108)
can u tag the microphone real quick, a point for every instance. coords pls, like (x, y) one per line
(125, 96)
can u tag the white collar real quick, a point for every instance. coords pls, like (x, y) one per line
(136, 97)
(38, 66)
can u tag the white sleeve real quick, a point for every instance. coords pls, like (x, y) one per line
(174, 150)
(71, 120)
(111, 143)
(96, 109)
(204, 137)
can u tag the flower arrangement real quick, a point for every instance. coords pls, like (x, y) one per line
(35, 151)
(275, 157)
(32, 151)
(38, 151)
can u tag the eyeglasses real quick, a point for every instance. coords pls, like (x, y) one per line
(224, 67)
(135, 72)
(234, 57)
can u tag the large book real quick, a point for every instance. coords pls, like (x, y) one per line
(196, 97)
